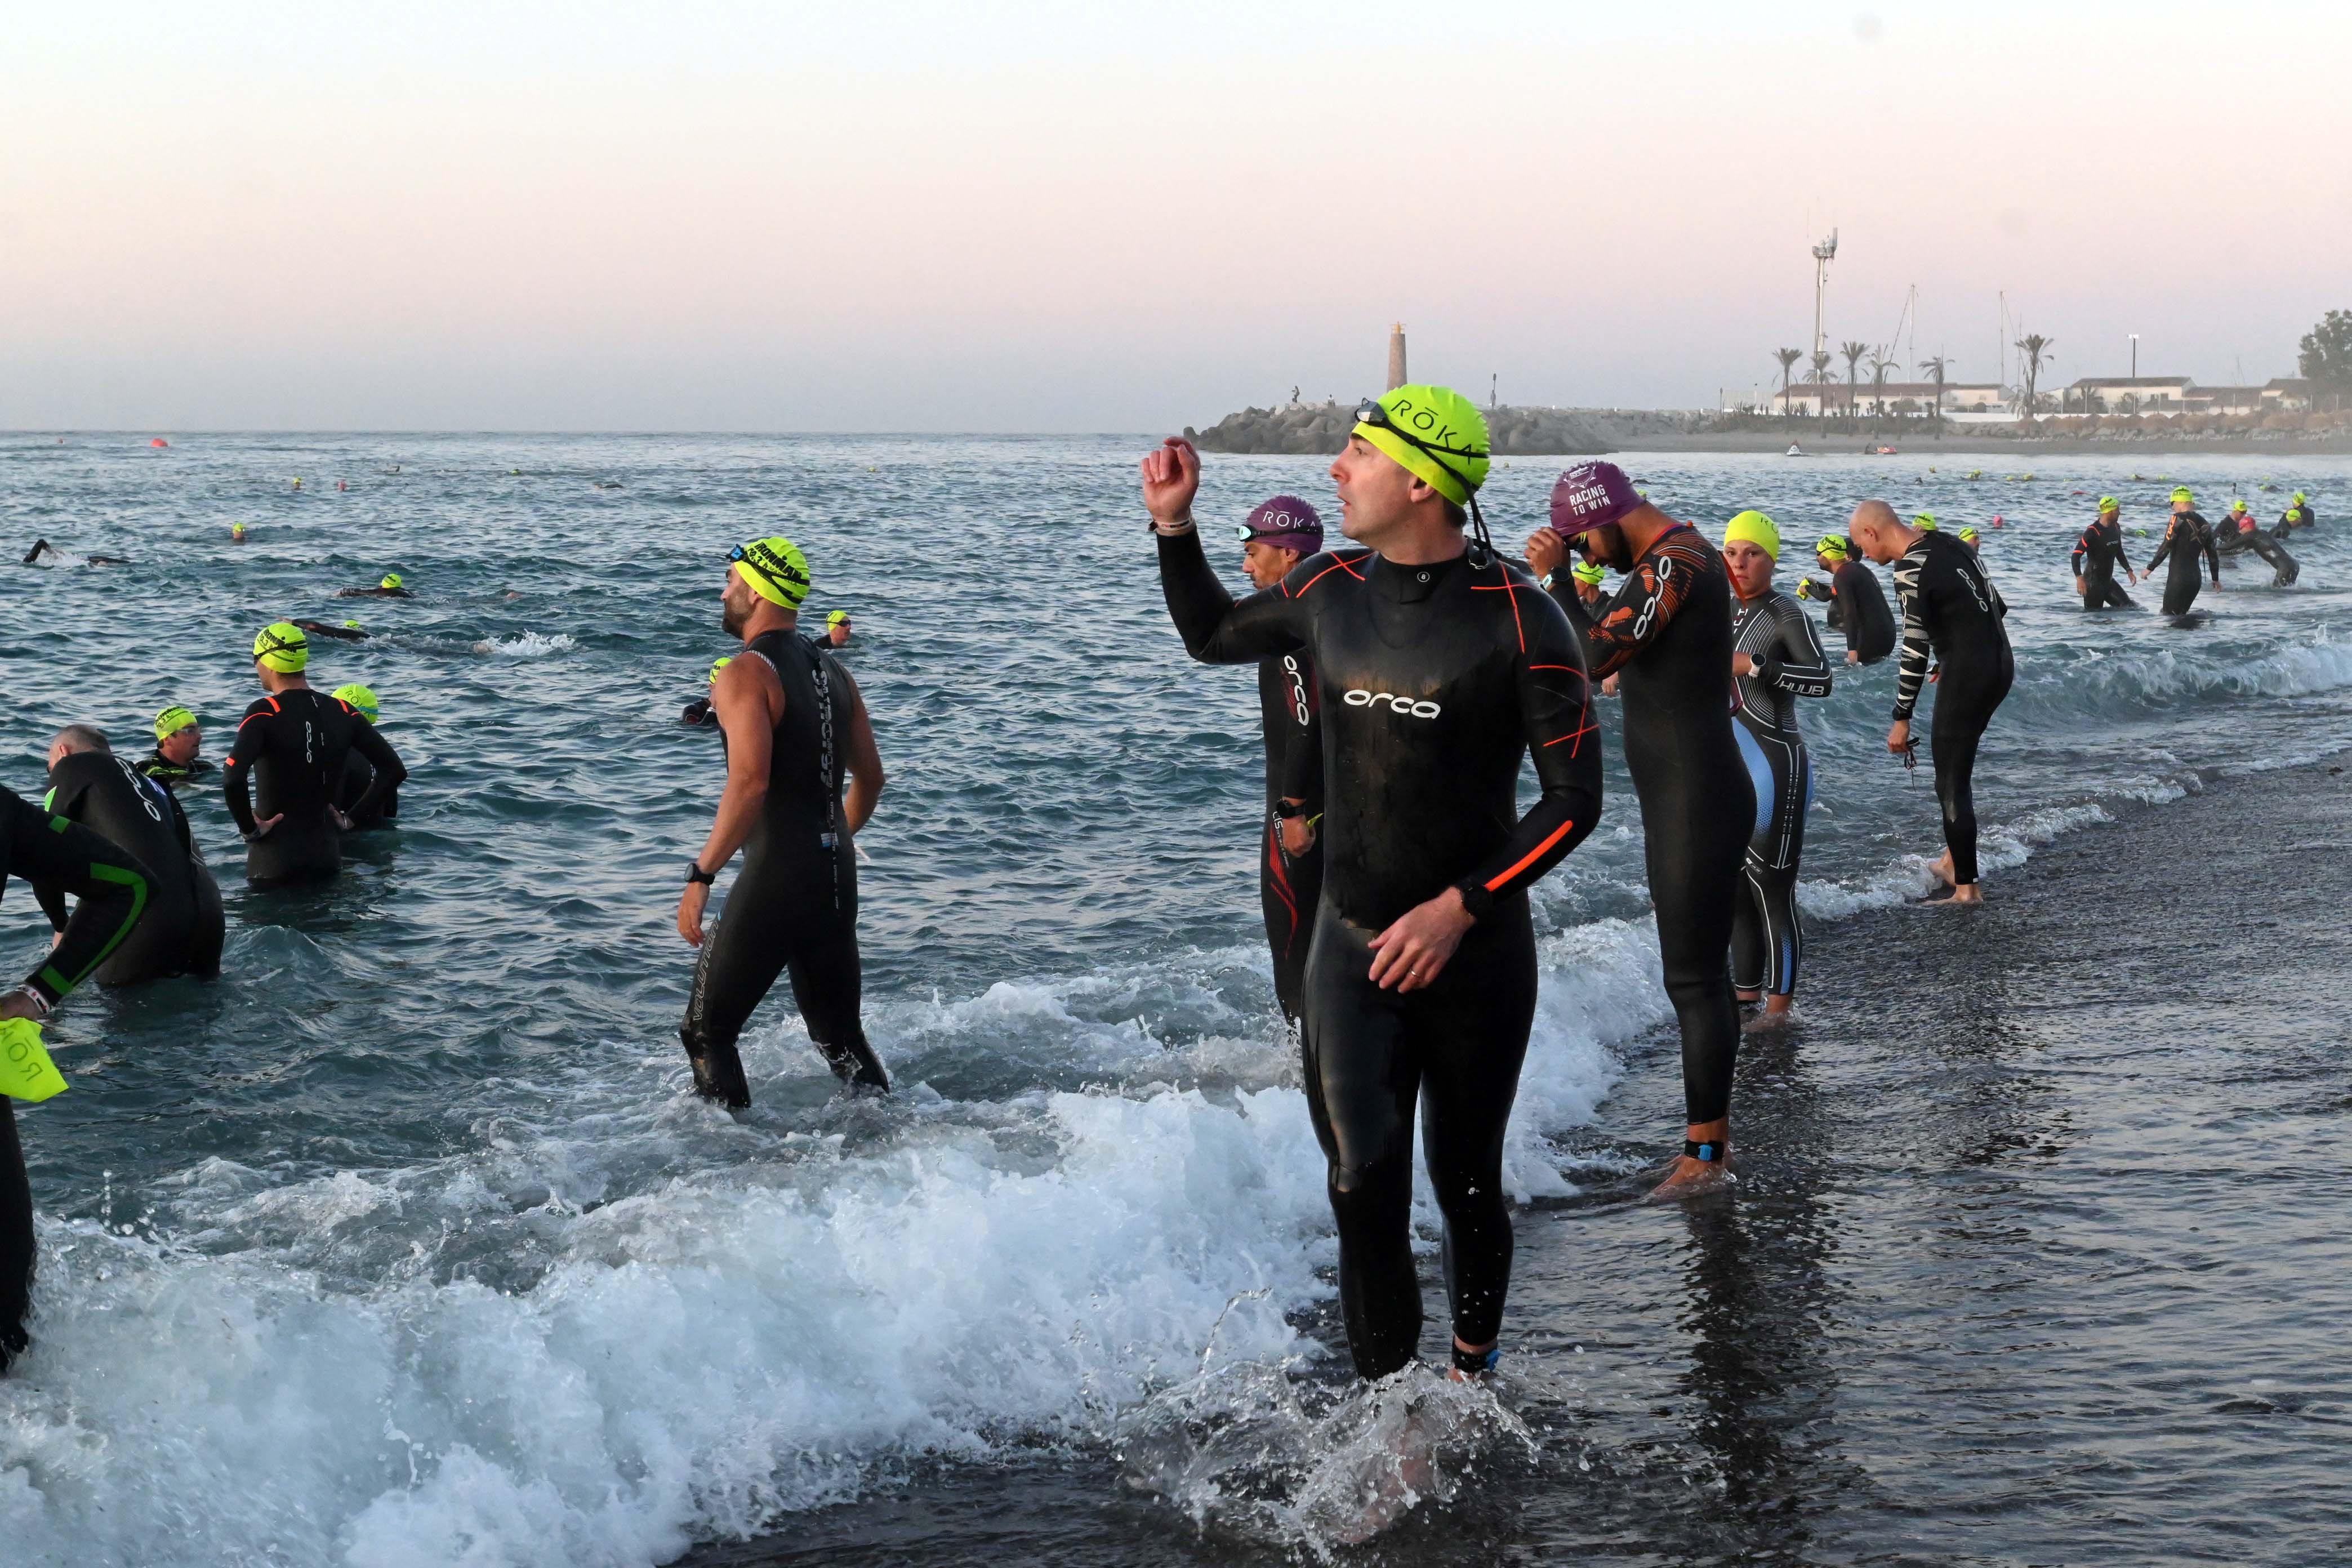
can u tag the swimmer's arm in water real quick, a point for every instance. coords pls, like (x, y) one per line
(236, 771)
(390, 771)
(111, 889)
(749, 700)
(864, 759)
(1795, 662)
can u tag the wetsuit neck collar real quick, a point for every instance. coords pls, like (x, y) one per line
(1410, 584)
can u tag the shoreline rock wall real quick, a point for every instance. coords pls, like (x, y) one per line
(1321, 429)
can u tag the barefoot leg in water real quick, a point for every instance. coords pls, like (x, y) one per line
(1691, 1174)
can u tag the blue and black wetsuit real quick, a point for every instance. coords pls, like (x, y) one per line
(1773, 630)
(181, 930)
(290, 752)
(1290, 887)
(794, 907)
(1436, 682)
(1668, 630)
(1951, 612)
(111, 888)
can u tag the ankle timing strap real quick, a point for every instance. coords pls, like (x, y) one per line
(1710, 1152)
(1476, 1363)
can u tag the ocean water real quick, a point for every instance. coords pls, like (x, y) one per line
(405, 1243)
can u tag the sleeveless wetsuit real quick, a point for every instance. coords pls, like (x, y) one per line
(1435, 680)
(1767, 944)
(2095, 556)
(112, 894)
(2185, 538)
(1668, 629)
(1290, 887)
(289, 750)
(1949, 608)
(181, 931)
(793, 906)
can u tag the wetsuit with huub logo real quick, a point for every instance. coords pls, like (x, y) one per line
(1668, 631)
(1951, 613)
(1290, 885)
(1787, 663)
(1436, 680)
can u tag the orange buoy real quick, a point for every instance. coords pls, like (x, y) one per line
(159, 441)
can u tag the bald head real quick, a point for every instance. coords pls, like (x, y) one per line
(77, 738)
(1879, 535)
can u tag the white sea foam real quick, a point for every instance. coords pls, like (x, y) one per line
(525, 645)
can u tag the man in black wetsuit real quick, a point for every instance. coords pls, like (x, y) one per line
(290, 753)
(358, 784)
(110, 891)
(1282, 531)
(1857, 604)
(2298, 515)
(838, 628)
(1440, 668)
(179, 742)
(2096, 554)
(389, 588)
(1950, 610)
(181, 929)
(1667, 633)
(794, 724)
(2186, 537)
(2238, 534)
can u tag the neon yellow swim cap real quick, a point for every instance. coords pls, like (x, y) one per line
(237, 530)
(280, 646)
(2181, 494)
(1587, 573)
(718, 665)
(172, 721)
(2238, 505)
(1834, 546)
(2109, 503)
(26, 1072)
(1433, 433)
(1925, 522)
(837, 618)
(775, 569)
(2298, 497)
(359, 696)
(390, 580)
(1754, 528)
(1968, 535)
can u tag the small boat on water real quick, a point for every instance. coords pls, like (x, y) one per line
(1882, 451)
(1794, 450)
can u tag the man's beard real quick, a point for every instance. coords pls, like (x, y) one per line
(731, 620)
(1606, 544)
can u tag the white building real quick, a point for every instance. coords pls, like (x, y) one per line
(1809, 399)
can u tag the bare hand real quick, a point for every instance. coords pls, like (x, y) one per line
(2080, 587)
(1742, 665)
(17, 1005)
(1609, 686)
(1410, 955)
(1851, 657)
(1298, 835)
(2131, 575)
(1547, 552)
(689, 913)
(341, 820)
(261, 829)
(1898, 739)
(1172, 478)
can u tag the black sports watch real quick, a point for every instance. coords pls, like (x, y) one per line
(1287, 809)
(695, 873)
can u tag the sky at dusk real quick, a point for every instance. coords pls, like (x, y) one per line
(1053, 218)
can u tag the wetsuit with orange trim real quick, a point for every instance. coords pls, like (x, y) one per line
(1289, 886)
(290, 753)
(1666, 634)
(2095, 556)
(2186, 537)
(1435, 681)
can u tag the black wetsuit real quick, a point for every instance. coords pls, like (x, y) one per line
(172, 774)
(359, 779)
(112, 893)
(1767, 944)
(181, 929)
(794, 907)
(1858, 608)
(373, 594)
(289, 750)
(2095, 556)
(2239, 539)
(1435, 681)
(2293, 518)
(341, 634)
(1949, 608)
(2187, 536)
(1668, 629)
(1290, 887)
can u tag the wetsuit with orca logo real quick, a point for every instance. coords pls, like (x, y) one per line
(793, 906)
(110, 891)
(1951, 612)
(1668, 630)
(1436, 680)
(2186, 537)
(1775, 632)
(1289, 886)
(290, 753)
(181, 930)
(2095, 556)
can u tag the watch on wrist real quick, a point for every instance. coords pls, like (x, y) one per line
(1287, 809)
(1475, 900)
(695, 873)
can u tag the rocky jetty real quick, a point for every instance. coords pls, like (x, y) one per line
(1321, 429)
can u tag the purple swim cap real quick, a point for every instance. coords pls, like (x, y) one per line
(1286, 522)
(1591, 495)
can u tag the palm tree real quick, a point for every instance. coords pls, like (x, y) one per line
(1819, 377)
(1787, 358)
(1934, 369)
(2035, 348)
(1853, 352)
(1879, 365)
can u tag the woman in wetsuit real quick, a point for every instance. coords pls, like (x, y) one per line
(1668, 630)
(110, 891)
(1776, 658)
(2186, 537)
(1440, 669)
(290, 753)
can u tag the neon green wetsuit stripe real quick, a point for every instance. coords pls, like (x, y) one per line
(121, 876)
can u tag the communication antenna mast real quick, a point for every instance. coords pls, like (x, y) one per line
(1823, 254)
(1910, 319)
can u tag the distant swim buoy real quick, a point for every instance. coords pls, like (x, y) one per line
(158, 441)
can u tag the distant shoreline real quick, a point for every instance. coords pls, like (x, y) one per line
(2010, 448)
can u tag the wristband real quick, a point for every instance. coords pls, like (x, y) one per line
(1175, 529)
(41, 1003)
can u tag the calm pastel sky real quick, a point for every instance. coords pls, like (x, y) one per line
(1064, 217)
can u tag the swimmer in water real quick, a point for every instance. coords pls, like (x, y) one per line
(2095, 556)
(43, 547)
(698, 713)
(1442, 668)
(389, 588)
(2185, 537)
(1857, 604)
(358, 786)
(795, 726)
(236, 533)
(2298, 515)
(181, 931)
(2240, 533)
(111, 894)
(1776, 658)
(289, 754)
(348, 632)
(836, 629)
(1950, 609)
(179, 746)
(1668, 630)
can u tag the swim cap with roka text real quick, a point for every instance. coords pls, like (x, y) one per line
(360, 697)
(1591, 495)
(1433, 433)
(775, 569)
(282, 647)
(1285, 523)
